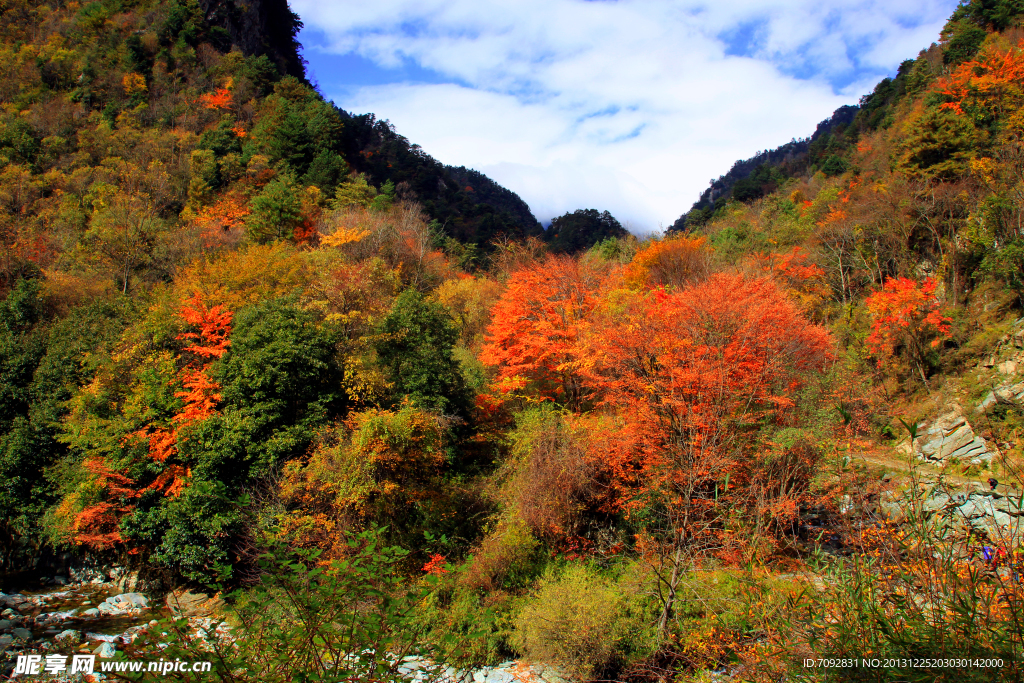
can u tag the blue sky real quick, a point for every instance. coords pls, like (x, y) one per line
(625, 105)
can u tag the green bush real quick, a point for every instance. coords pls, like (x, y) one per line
(471, 629)
(347, 620)
(584, 621)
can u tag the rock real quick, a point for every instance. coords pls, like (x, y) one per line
(1007, 367)
(6, 624)
(950, 436)
(137, 600)
(5, 640)
(111, 610)
(60, 580)
(1008, 505)
(93, 612)
(105, 650)
(891, 506)
(125, 580)
(976, 507)
(69, 637)
(935, 502)
(22, 634)
(189, 604)
(976, 449)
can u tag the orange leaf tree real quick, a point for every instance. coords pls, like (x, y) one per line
(992, 85)
(906, 317)
(693, 376)
(673, 261)
(97, 525)
(536, 324)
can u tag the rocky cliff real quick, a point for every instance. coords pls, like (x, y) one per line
(260, 27)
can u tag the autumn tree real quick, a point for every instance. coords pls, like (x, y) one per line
(693, 375)
(536, 325)
(674, 261)
(906, 317)
(97, 525)
(124, 233)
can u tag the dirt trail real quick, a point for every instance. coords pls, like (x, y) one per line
(899, 463)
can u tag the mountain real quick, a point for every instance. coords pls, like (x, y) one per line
(762, 173)
(467, 204)
(579, 230)
(240, 355)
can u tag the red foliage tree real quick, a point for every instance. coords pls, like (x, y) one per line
(690, 372)
(219, 99)
(691, 376)
(96, 525)
(905, 316)
(992, 83)
(536, 326)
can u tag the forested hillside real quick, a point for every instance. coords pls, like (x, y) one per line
(264, 351)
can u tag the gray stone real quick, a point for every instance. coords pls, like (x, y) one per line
(976, 507)
(986, 403)
(111, 610)
(1008, 505)
(192, 604)
(974, 449)
(22, 634)
(69, 637)
(129, 600)
(126, 581)
(890, 506)
(93, 612)
(105, 650)
(949, 443)
(6, 624)
(935, 502)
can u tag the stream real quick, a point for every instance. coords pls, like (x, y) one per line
(83, 611)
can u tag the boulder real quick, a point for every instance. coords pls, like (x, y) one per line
(937, 501)
(105, 650)
(137, 600)
(69, 637)
(187, 603)
(22, 634)
(123, 603)
(976, 507)
(950, 436)
(126, 581)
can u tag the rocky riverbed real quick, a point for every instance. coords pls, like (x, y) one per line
(81, 612)
(96, 612)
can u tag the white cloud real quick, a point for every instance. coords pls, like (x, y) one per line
(629, 106)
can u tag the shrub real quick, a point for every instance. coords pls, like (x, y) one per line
(507, 557)
(583, 621)
(921, 590)
(346, 620)
(548, 477)
(471, 629)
